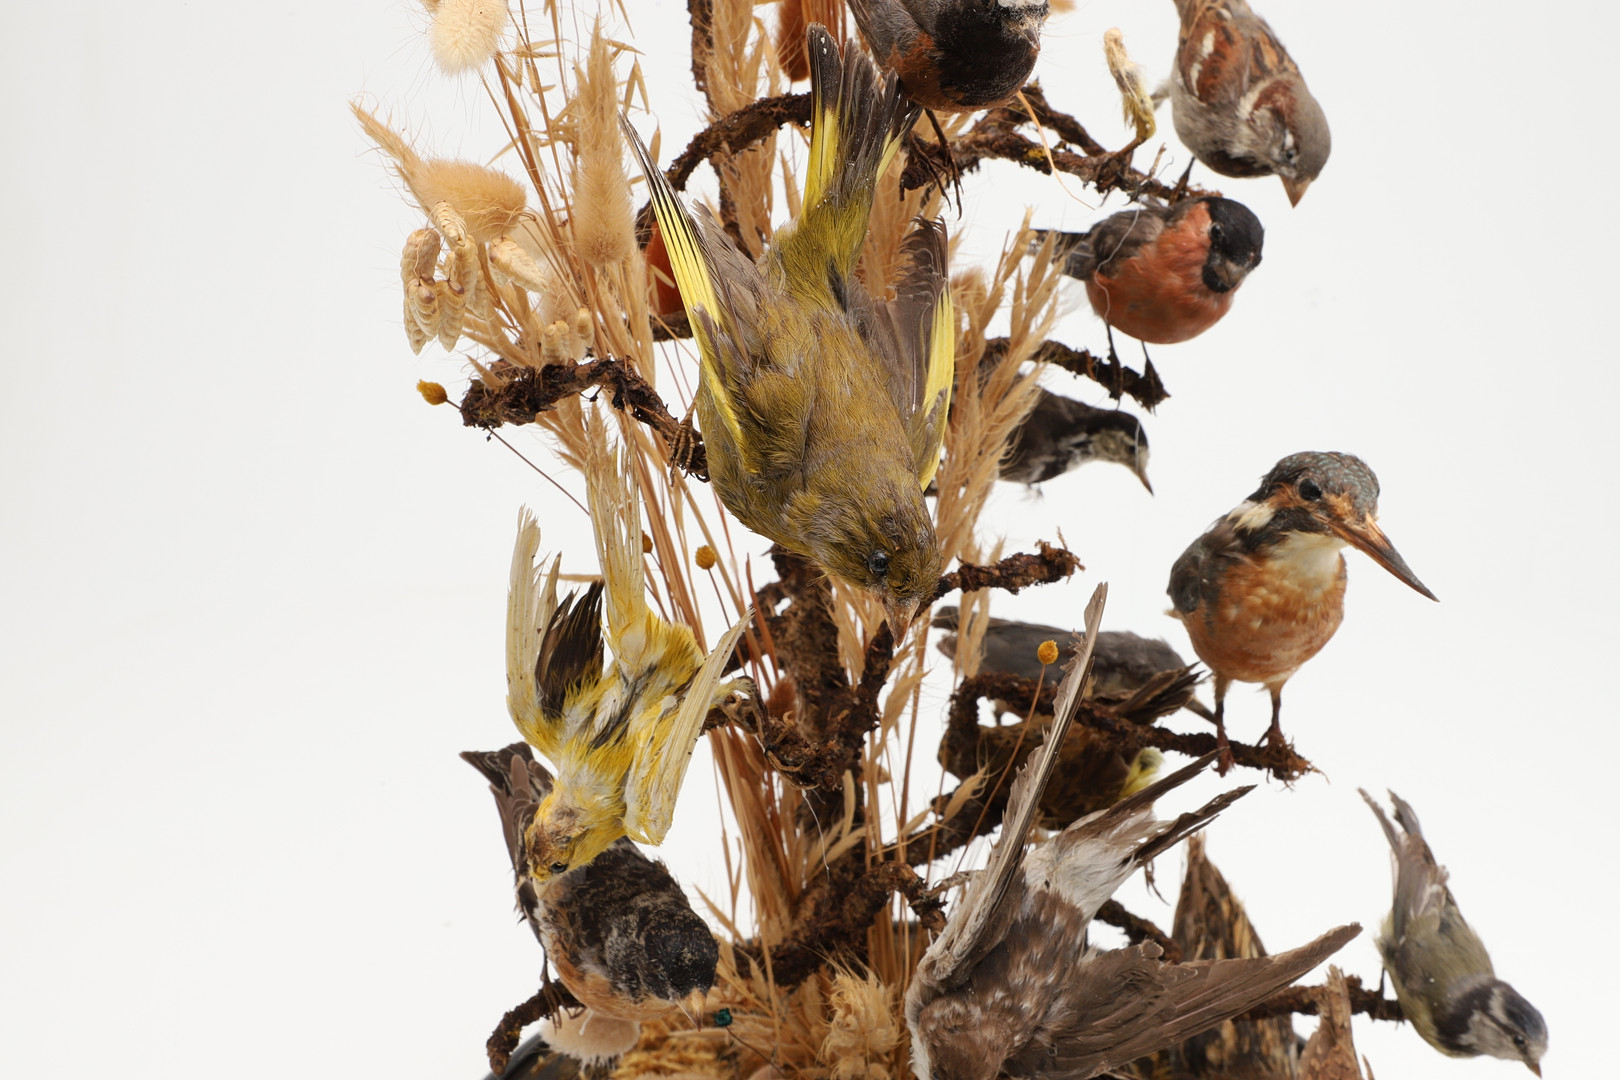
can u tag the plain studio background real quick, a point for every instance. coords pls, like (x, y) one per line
(253, 587)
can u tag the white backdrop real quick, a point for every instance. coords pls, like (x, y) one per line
(253, 588)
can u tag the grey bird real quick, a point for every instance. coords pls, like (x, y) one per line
(619, 930)
(1061, 434)
(1012, 986)
(1441, 971)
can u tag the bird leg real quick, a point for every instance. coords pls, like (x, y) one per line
(1222, 743)
(1274, 735)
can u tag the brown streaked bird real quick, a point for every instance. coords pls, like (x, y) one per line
(1211, 924)
(619, 930)
(1238, 100)
(1331, 1052)
(954, 55)
(823, 410)
(1442, 974)
(1165, 274)
(1061, 434)
(1262, 591)
(1011, 986)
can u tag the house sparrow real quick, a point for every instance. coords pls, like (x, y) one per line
(1238, 100)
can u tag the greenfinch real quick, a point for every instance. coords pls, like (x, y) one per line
(620, 736)
(823, 410)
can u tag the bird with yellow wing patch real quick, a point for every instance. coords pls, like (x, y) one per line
(619, 732)
(823, 410)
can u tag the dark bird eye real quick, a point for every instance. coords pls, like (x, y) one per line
(878, 563)
(1309, 491)
(1518, 1040)
(559, 867)
(1216, 233)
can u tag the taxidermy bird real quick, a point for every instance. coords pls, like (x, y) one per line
(1441, 971)
(823, 410)
(619, 931)
(620, 735)
(1262, 591)
(1012, 987)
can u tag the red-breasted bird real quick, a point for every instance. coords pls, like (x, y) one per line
(620, 931)
(1438, 965)
(823, 410)
(954, 55)
(1164, 274)
(1262, 591)
(1012, 987)
(1061, 433)
(1238, 100)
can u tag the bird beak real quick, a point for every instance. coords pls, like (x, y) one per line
(900, 615)
(1367, 536)
(1295, 188)
(1533, 1067)
(1139, 467)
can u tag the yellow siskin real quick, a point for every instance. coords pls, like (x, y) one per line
(823, 410)
(621, 735)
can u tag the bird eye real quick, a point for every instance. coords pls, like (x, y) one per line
(1309, 491)
(1518, 1040)
(559, 867)
(1216, 233)
(878, 563)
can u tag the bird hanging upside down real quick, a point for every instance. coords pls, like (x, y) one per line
(823, 410)
(1262, 591)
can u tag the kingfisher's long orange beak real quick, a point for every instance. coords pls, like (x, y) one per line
(1367, 536)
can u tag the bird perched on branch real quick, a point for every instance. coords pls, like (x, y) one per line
(1164, 274)
(1262, 591)
(1441, 971)
(620, 932)
(620, 735)
(1011, 986)
(1061, 433)
(823, 411)
(954, 55)
(1238, 100)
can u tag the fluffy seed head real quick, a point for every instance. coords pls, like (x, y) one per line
(466, 33)
(432, 392)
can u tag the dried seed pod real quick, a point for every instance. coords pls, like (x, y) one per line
(422, 309)
(466, 33)
(420, 257)
(509, 257)
(452, 312)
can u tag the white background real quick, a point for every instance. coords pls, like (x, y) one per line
(253, 588)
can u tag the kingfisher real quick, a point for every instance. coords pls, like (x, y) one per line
(1262, 591)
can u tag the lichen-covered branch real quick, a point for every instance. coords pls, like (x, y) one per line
(545, 1003)
(1012, 573)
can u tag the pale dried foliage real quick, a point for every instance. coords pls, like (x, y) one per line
(466, 33)
(543, 269)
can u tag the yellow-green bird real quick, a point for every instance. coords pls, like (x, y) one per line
(823, 410)
(620, 735)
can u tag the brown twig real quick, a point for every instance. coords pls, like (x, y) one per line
(535, 390)
(1138, 929)
(1012, 573)
(1303, 1000)
(546, 1001)
(738, 131)
(1107, 372)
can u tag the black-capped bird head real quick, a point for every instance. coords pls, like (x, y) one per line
(1323, 499)
(955, 55)
(1236, 238)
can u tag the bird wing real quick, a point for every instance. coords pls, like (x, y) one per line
(914, 335)
(887, 26)
(1194, 579)
(1118, 238)
(531, 604)
(1127, 1003)
(716, 282)
(664, 752)
(972, 928)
